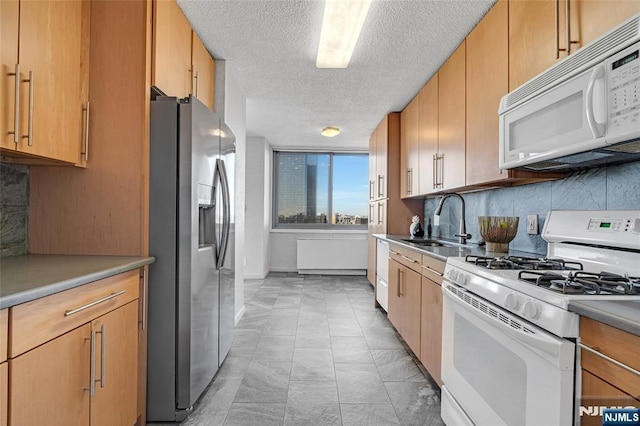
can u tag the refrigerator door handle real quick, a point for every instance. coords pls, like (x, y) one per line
(226, 212)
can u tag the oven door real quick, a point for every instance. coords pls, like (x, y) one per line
(498, 369)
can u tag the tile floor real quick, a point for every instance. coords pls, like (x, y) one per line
(312, 350)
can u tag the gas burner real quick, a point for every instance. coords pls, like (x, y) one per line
(566, 287)
(520, 262)
(581, 282)
(610, 283)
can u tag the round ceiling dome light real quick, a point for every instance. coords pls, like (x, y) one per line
(330, 131)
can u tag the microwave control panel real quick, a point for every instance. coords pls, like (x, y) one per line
(624, 90)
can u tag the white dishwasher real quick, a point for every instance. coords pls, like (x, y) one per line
(382, 274)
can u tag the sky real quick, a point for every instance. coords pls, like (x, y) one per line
(351, 184)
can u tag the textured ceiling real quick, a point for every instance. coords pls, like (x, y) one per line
(270, 48)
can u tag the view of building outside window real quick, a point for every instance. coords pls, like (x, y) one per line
(304, 188)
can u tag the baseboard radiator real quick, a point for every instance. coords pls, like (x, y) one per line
(332, 256)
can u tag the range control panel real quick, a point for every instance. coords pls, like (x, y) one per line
(609, 228)
(615, 225)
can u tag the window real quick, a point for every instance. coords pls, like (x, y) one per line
(320, 190)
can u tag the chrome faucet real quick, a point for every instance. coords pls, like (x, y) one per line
(462, 234)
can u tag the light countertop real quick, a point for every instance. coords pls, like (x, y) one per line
(29, 277)
(445, 251)
(622, 314)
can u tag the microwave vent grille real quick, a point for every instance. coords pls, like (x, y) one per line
(632, 147)
(597, 51)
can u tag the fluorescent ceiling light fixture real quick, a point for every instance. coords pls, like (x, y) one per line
(330, 132)
(341, 26)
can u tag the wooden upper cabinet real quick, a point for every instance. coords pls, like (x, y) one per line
(450, 170)
(382, 152)
(427, 134)
(203, 72)
(9, 12)
(592, 18)
(532, 38)
(171, 70)
(53, 72)
(372, 166)
(409, 158)
(181, 63)
(487, 83)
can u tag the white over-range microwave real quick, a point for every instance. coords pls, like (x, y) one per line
(584, 111)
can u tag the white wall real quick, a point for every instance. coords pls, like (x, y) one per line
(258, 207)
(231, 103)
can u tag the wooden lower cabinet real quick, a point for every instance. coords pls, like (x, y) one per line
(85, 374)
(431, 328)
(49, 384)
(116, 403)
(605, 383)
(4, 393)
(404, 303)
(598, 393)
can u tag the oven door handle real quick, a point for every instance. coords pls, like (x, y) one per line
(548, 346)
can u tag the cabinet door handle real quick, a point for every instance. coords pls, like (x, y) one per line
(144, 298)
(611, 360)
(86, 133)
(92, 371)
(102, 355)
(380, 213)
(380, 183)
(94, 303)
(409, 259)
(196, 85)
(399, 282)
(29, 135)
(434, 170)
(432, 270)
(394, 253)
(441, 182)
(16, 104)
(371, 190)
(408, 182)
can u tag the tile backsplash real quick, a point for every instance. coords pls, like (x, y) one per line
(14, 209)
(606, 188)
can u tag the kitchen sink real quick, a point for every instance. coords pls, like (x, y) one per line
(429, 243)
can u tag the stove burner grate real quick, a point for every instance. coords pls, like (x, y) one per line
(522, 262)
(581, 282)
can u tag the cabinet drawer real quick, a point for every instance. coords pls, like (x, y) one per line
(407, 257)
(4, 330)
(41, 320)
(613, 343)
(432, 268)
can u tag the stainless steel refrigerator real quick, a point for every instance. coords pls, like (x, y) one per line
(191, 235)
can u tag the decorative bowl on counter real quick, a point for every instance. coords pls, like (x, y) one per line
(498, 231)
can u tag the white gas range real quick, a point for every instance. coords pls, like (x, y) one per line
(508, 338)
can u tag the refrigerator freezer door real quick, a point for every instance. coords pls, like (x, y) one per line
(198, 281)
(227, 269)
